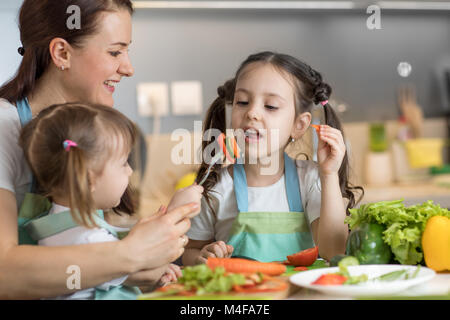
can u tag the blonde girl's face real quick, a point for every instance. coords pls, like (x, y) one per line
(97, 68)
(263, 110)
(110, 185)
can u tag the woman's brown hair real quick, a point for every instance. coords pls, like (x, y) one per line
(100, 132)
(310, 89)
(40, 21)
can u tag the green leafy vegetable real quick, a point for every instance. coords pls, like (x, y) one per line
(404, 225)
(204, 280)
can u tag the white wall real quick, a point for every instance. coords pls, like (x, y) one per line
(10, 38)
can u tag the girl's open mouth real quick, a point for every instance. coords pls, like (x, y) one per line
(252, 135)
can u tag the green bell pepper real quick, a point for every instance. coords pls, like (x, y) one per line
(365, 242)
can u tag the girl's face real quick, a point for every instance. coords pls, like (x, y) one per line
(97, 68)
(264, 110)
(110, 185)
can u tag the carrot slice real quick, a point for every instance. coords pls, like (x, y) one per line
(316, 126)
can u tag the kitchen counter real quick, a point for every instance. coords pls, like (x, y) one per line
(416, 193)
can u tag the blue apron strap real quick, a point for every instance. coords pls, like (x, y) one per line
(292, 185)
(24, 110)
(240, 187)
(291, 181)
(25, 116)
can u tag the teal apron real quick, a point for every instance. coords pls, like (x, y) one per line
(47, 225)
(35, 224)
(270, 236)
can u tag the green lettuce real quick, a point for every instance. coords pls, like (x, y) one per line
(205, 280)
(404, 225)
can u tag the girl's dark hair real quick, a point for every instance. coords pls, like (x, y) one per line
(101, 132)
(40, 21)
(310, 89)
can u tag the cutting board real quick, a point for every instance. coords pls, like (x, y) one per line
(279, 295)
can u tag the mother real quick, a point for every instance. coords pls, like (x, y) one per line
(62, 64)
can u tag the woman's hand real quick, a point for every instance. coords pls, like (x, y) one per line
(157, 240)
(331, 150)
(189, 194)
(218, 249)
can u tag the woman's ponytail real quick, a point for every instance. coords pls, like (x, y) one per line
(25, 79)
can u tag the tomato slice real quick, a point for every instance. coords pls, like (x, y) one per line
(330, 279)
(304, 258)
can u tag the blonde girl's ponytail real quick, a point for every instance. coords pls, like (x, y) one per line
(79, 187)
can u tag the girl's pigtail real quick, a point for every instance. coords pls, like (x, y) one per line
(322, 92)
(79, 188)
(215, 119)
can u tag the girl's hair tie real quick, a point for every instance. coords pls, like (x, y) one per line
(67, 144)
(323, 103)
(21, 51)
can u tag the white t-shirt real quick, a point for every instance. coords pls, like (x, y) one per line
(82, 235)
(273, 198)
(15, 174)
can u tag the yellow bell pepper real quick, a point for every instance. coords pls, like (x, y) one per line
(436, 243)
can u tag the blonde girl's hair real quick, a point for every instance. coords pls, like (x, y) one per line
(309, 88)
(100, 132)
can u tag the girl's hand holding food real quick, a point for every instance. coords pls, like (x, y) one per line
(331, 150)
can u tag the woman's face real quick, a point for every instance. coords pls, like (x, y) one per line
(97, 68)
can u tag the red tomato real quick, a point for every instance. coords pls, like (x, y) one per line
(304, 258)
(330, 279)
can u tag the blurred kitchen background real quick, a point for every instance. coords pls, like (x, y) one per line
(377, 62)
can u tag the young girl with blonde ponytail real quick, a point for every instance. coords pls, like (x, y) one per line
(249, 211)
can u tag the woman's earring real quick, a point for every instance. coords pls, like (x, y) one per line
(62, 68)
(292, 140)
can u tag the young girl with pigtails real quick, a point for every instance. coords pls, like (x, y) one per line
(78, 154)
(248, 212)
